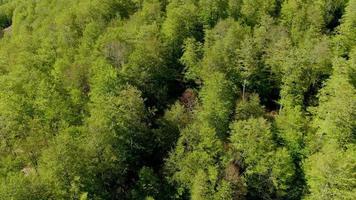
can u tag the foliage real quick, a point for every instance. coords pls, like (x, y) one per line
(177, 99)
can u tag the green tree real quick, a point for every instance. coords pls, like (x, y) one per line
(217, 99)
(268, 170)
(196, 158)
(338, 123)
(345, 41)
(330, 173)
(249, 108)
(182, 22)
(254, 11)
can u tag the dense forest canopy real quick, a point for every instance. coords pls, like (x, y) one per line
(178, 99)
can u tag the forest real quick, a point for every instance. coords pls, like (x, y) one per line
(177, 99)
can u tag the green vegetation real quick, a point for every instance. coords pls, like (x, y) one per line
(177, 99)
